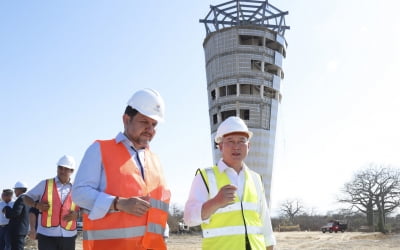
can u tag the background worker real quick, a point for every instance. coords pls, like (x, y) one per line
(19, 218)
(121, 184)
(6, 200)
(57, 221)
(228, 199)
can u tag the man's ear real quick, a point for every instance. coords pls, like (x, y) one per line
(125, 119)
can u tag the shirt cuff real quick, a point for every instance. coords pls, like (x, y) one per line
(101, 206)
(270, 240)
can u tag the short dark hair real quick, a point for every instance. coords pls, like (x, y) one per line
(131, 112)
(7, 192)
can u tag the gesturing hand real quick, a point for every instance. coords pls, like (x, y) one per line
(136, 205)
(226, 195)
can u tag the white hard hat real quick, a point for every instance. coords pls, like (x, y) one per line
(149, 103)
(20, 184)
(67, 162)
(230, 125)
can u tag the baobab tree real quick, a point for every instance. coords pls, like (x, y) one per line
(375, 190)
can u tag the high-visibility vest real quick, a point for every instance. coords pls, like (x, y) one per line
(119, 230)
(53, 217)
(231, 226)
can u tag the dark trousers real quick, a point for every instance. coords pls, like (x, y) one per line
(55, 243)
(5, 243)
(17, 242)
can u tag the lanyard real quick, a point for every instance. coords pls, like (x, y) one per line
(138, 160)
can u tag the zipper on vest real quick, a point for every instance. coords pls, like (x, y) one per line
(248, 246)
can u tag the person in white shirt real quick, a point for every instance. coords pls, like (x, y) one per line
(56, 225)
(228, 200)
(6, 200)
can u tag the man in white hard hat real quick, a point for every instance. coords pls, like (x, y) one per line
(19, 218)
(228, 199)
(56, 225)
(120, 183)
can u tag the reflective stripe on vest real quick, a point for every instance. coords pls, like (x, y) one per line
(155, 228)
(159, 204)
(70, 223)
(117, 233)
(237, 207)
(224, 231)
(50, 187)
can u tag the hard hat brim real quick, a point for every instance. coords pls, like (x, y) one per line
(248, 134)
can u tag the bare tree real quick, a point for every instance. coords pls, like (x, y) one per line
(291, 208)
(175, 216)
(387, 194)
(359, 193)
(374, 190)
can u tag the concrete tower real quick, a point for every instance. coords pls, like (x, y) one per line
(244, 49)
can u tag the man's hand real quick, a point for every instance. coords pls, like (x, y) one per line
(226, 195)
(136, 205)
(32, 234)
(42, 206)
(71, 216)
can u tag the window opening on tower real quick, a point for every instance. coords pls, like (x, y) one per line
(227, 113)
(250, 40)
(256, 65)
(245, 114)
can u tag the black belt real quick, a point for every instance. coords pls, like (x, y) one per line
(4, 225)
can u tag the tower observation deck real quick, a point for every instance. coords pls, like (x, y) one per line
(244, 49)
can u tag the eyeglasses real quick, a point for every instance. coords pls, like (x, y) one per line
(240, 143)
(64, 168)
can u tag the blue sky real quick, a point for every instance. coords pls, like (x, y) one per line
(67, 69)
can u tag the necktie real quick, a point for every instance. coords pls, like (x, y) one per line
(138, 160)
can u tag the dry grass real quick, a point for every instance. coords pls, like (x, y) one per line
(293, 240)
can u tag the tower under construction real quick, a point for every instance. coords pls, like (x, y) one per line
(244, 49)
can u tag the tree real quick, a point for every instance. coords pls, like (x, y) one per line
(291, 208)
(175, 216)
(359, 193)
(387, 195)
(374, 190)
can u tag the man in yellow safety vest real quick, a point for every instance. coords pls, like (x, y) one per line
(228, 199)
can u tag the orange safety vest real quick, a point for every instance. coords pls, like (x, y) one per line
(119, 230)
(57, 210)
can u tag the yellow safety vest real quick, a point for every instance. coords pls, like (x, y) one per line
(228, 226)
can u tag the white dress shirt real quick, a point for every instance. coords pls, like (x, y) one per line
(36, 194)
(198, 196)
(90, 181)
(3, 219)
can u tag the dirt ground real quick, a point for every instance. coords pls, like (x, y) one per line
(292, 241)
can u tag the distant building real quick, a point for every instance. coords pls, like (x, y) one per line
(244, 49)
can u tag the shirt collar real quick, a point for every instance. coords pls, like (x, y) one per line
(121, 137)
(59, 182)
(223, 167)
